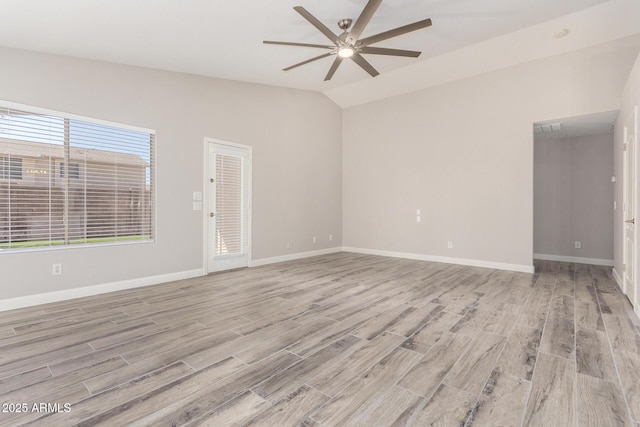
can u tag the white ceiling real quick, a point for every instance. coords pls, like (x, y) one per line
(224, 38)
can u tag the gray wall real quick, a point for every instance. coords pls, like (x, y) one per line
(463, 154)
(296, 140)
(573, 197)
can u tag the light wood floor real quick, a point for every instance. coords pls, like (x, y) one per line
(341, 339)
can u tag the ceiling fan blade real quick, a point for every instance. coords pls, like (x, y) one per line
(307, 61)
(316, 23)
(393, 52)
(396, 32)
(363, 20)
(320, 46)
(333, 68)
(358, 59)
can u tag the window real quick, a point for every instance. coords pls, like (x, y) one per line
(74, 170)
(229, 221)
(10, 168)
(66, 180)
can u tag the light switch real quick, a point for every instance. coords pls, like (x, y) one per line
(197, 206)
(197, 196)
(418, 212)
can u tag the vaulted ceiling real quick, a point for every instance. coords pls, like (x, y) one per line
(224, 38)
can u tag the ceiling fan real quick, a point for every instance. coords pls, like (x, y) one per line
(349, 44)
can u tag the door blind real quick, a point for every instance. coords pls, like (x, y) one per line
(230, 226)
(65, 181)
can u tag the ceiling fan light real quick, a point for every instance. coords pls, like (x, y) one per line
(345, 52)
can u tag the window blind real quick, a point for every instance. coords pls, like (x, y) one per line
(65, 181)
(229, 218)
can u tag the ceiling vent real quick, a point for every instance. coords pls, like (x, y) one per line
(548, 128)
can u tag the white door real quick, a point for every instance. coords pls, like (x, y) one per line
(629, 286)
(228, 206)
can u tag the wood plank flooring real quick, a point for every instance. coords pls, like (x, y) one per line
(336, 340)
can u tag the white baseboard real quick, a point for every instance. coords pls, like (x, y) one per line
(447, 260)
(291, 257)
(86, 291)
(617, 277)
(578, 260)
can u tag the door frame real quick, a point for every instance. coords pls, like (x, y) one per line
(633, 119)
(206, 201)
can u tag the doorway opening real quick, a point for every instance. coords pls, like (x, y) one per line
(573, 200)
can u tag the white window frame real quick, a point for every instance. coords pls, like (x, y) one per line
(93, 120)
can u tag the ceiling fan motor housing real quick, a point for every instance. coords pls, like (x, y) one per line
(345, 24)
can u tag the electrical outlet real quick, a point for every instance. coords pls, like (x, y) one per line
(314, 240)
(56, 269)
(289, 245)
(577, 245)
(450, 244)
(330, 237)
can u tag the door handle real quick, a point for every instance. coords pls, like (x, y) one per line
(631, 221)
